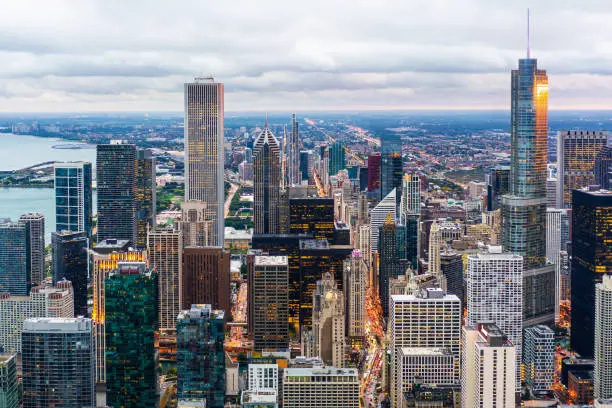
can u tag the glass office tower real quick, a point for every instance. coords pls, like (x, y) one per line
(70, 262)
(73, 197)
(391, 166)
(15, 265)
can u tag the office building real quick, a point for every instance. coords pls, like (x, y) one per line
(441, 234)
(312, 216)
(197, 229)
(591, 259)
(374, 173)
(580, 384)
(263, 377)
(524, 207)
(43, 301)
(336, 158)
(320, 387)
(15, 265)
(35, 223)
(430, 318)
(557, 238)
(73, 197)
(328, 322)
(204, 158)
(451, 268)
(294, 173)
(576, 153)
(130, 322)
(116, 190)
(9, 393)
(539, 357)
(488, 377)
(494, 294)
(392, 264)
(498, 184)
(603, 169)
(270, 302)
(267, 183)
(146, 200)
(306, 164)
(355, 282)
(206, 277)
(602, 377)
(411, 196)
(58, 362)
(379, 215)
(200, 355)
(166, 259)
(259, 399)
(71, 262)
(391, 166)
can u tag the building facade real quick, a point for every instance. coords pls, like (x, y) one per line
(539, 357)
(15, 265)
(603, 169)
(270, 302)
(391, 166)
(328, 323)
(73, 196)
(145, 195)
(355, 282)
(557, 239)
(379, 215)
(320, 387)
(197, 229)
(71, 262)
(35, 224)
(602, 375)
(9, 393)
(267, 183)
(206, 278)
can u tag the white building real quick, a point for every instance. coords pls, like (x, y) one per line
(441, 233)
(557, 236)
(488, 367)
(430, 319)
(539, 357)
(355, 281)
(197, 229)
(378, 216)
(44, 301)
(328, 322)
(204, 155)
(495, 294)
(263, 377)
(364, 243)
(602, 375)
(410, 203)
(321, 387)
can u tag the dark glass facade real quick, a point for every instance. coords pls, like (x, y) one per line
(374, 173)
(336, 158)
(200, 358)
(391, 166)
(591, 258)
(393, 263)
(312, 216)
(497, 186)
(116, 189)
(305, 162)
(73, 197)
(131, 318)
(70, 262)
(451, 266)
(603, 168)
(145, 196)
(15, 265)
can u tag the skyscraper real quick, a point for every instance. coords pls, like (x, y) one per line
(498, 185)
(374, 174)
(116, 189)
(557, 238)
(495, 294)
(58, 362)
(145, 195)
(591, 260)
(379, 215)
(270, 303)
(451, 269)
(200, 356)
(328, 322)
(196, 228)
(337, 160)
(524, 207)
(131, 318)
(391, 266)
(71, 262)
(441, 234)
(312, 216)
(9, 393)
(539, 357)
(355, 281)
(204, 157)
(294, 173)
(267, 183)
(320, 387)
(576, 153)
(166, 259)
(411, 197)
(306, 164)
(391, 166)
(603, 341)
(73, 197)
(35, 223)
(603, 168)
(15, 265)
(206, 277)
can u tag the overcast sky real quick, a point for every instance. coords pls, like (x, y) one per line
(115, 55)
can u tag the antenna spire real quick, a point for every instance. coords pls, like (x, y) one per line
(266, 119)
(528, 39)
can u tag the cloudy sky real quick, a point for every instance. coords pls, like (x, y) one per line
(116, 55)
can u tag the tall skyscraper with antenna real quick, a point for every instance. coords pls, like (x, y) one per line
(524, 207)
(204, 156)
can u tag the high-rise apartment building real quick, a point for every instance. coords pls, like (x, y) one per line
(200, 356)
(196, 227)
(9, 393)
(488, 369)
(130, 322)
(206, 277)
(441, 233)
(204, 156)
(524, 207)
(355, 282)
(427, 319)
(73, 197)
(71, 262)
(557, 238)
(116, 191)
(263, 377)
(166, 259)
(35, 223)
(43, 301)
(337, 159)
(58, 362)
(576, 153)
(591, 260)
(320, 387)
(267, 183)
(603, 169)
(379, 215)
(391, 166)
(15, 265)
(603, 341)
(328, 322)
(411, 197)
(270, 302)
(539, 357)
(145, 195)
(494, 285)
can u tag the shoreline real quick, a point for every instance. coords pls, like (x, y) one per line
(26, 185)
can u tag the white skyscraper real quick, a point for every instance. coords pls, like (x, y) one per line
(488, 368)
(378, 216)
(411, 197)
(557, 236)
(602, 375)
(204, 155)
(495, 294)
(429, 319)
(539, 357)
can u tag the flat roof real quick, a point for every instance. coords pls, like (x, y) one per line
(57, 324)
(424, 351)
(261, 260)
(331, 371)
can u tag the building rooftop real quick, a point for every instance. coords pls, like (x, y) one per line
(192, 403)
(314, 244)
(57, 324)
(262, 260)
(411, 298)
(6, 357)
(116, 244)
(201, 311)
(233, 233)
(318, 371)
(262, 397)
(424, 351)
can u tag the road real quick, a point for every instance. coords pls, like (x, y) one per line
(239, 309)
(230, 195)
(375, 352)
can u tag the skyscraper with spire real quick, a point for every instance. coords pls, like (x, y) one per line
(267, 182)
(524, 207)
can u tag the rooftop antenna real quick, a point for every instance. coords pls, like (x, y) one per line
(528, 40)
